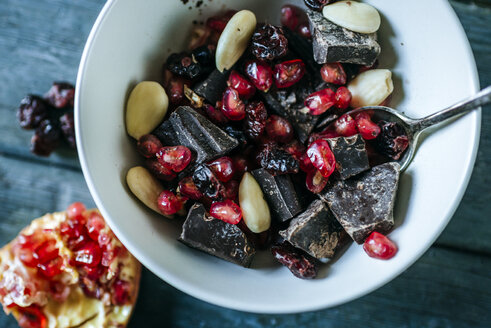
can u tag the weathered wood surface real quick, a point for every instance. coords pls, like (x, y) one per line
(450, 286)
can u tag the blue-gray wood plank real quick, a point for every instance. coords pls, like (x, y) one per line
(450, 286)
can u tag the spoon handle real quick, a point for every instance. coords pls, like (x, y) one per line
(483, 97)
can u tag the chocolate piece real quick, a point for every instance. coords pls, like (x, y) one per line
(350, 154)
(302, 48)
(279, 193)
(187, 127)
(216, 237)
(212, 87)
(364, 203)
(333, 43)
(316, 231)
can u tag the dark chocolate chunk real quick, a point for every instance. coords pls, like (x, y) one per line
(316, 231)
(364, 203)
(350, 154)
(301, 47)
(216, 237)
(212, 87)
(279, 193)
(301, 264)
(187, 127)
(333, 43)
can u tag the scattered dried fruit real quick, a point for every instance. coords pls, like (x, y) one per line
(148, 145)
(61, 95)
(255, 122)
(46, 138)
(269, 42)
(188, 189)
(31, 112)
(392, 140)
(279, 129)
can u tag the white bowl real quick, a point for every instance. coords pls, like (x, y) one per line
(422, 43)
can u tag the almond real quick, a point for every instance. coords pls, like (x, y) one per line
(355, 16)
(255, 210)
(371, 88)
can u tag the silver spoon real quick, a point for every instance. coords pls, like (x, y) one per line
(414, 127)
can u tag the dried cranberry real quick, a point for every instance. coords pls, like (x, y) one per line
(215, 115)
(290, 16)
(241, 165)
(320, 101)
(46, 138)
(67, 125)
(269, 42)
(88, 255)
(226, 211)
(392, 140)
(366, 127)
(295, 148)
(231, 189)
(260, 74)
(379, 246)
(31, 317)
(255, 122)
(236, 134)
(75, 210)
(276, 160)
(343, 98)
(175, 89)
(31, 112)
(168, 203)
(300, 264)
(188, 66)
(175, 158)
(279, 129)
(345, 126)
(322, 157)
(206, 182)
(188, 189)
(333, 73)
(232, 106)
(148, 145)
(121, 293)
(222, 168)
(242, 85)
(160, 171)
(205, 56)
(61, 95)
(315, 182)
(288, 73)
(316, 5)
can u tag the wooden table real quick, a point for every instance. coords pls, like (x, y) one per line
(450, 286)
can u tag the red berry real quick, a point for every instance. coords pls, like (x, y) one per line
(168, 203)
(175, 89)
(223, 168)
(345, 126)
(46, 252)
(89, 255)
(242, 85)
(322, 157)
(226, 211)
(121, 293)
(75, 210)
(51, 268)
(295, 148)
(232, 107)
(95, 224)
(343, 98)
(255, 122)
(188, 189)
(215, 115)
(260, 74)
(231, 189)
(219, 22)
(333, 73)
(304, 30)
(94, 273)
(379, 246)
(160, 171)
(366, 127)
(315, 182)
(175, 158)
(290, 16)
(306, 164)
(320, 101)
(241, 165)
(279, 129)
(31, 317)
(288, 73)
(148, 145)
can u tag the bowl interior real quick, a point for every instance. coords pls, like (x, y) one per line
(422, 42)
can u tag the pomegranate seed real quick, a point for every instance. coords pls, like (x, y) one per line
(379, 246)
(231, 189)
(215, 115)
(295, 148)
(315, 182)
(232, 107)
(343, 98)
(72, 229)
(103, 239)
(77, 243)
(304, 30)
(320, 101)
(223, 168)
(94, 273)
(322, 157)
(108, 256)
(260, 74)
(148, 145)
(366, 127)
(168, 203)
(89, 255)
(75, 210)
(46, 252)
(226, 211)
(241, 165)
(121, 294)
(31, 317)
(306, 164)
(95, 224)
(243, 86)
(175, 158)
(188, 189)
(290, 16)
(345, 126)
(333, 73)
(160, 171)
(288, 73)
(51, 268)
(218, 23)
(279, 129)
(175, 89)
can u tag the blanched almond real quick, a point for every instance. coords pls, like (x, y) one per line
(234, 39)
(146, 108)
(371, 88)
(353, 15)
(145, 187)
(255, 210)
